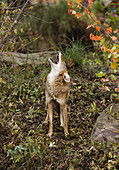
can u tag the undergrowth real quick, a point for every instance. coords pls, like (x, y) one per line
(79, 55)
(23, 140)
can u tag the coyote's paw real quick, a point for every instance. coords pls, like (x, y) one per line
(49, 134)
(66, 133)
(62, 124)
(45, 122)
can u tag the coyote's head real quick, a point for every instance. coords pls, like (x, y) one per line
(59, 66)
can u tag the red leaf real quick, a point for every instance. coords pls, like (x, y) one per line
(70, 10)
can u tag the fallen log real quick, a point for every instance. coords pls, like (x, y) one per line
(30, 58)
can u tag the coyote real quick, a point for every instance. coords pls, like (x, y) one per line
(57, 93)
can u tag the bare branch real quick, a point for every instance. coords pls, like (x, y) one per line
(12, 26)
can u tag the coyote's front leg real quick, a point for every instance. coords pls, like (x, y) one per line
(64, 120)
(61, 116)
(50, 116)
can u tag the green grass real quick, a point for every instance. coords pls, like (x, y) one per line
(81, 57)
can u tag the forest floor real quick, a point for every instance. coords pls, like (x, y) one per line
(23, 140)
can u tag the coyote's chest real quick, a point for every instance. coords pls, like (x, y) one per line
(56, 85)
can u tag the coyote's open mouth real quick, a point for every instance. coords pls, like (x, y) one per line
(58, 57)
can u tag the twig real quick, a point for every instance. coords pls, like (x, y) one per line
(12, 26)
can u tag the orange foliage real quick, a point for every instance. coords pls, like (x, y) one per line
(108, 30)
(114, 65)
(92, 36)
(87, 11)
(98, 23)
(78, 15)
(105, 80)
(78, 1)
(101, 36)
(104, 48)
(116, 89)
(97, 28)
(113, 38)
(96, 38)
(115, 31)
(70, 4)
(90, 3)
(115, 59)
(89, 26)
(2, 11)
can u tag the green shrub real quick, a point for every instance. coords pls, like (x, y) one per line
(77, 52)
(83, 58)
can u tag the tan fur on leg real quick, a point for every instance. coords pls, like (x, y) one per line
(50, 115)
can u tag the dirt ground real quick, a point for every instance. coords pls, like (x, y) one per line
(23, 140)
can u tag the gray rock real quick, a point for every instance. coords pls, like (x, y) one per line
(106, 128)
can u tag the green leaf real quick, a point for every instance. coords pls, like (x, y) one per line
(109, 56)
(101, 74)
(31, 111)
(113, 78)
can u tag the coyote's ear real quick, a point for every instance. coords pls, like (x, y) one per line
(66, 77)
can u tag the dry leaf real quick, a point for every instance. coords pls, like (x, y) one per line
(116, 89)
(105, 88)
(114, 65)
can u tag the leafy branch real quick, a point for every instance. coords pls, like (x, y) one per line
(110, 47)
(3, 41)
